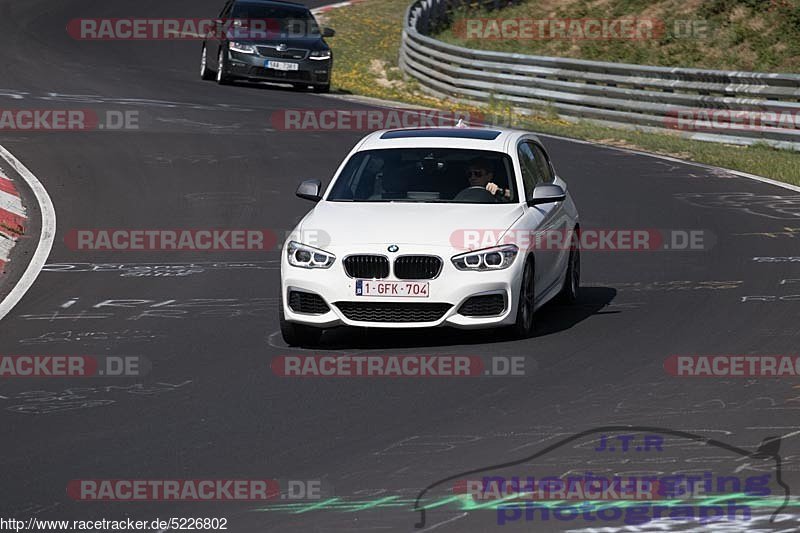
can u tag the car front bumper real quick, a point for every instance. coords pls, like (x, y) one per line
(452, 287)
(252, 66)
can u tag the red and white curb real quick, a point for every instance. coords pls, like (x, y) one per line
(13, 219)
(13, 215)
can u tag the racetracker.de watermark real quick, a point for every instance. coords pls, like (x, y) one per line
(170, 240)
(72, 366)
(589, 239)
(366, 119)
(708, 120)
(575, 489)
(187, 29)
(212, 490)
(67, 120)
(521, 29)
(399, 366)
(579, 29)
(733, 366)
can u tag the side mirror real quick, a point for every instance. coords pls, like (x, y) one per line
(547, 194)
(310, 190)
(328, 32)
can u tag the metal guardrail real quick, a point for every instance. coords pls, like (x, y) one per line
(716, 105)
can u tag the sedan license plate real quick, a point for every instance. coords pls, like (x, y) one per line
(415, 289)
(281, 65)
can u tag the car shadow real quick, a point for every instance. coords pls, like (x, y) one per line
(278, 86)
(557, 316)
(552, 318)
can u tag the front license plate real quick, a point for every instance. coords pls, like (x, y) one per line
(415, 289)
(281, 65)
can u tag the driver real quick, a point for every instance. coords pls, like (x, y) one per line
(481, 175)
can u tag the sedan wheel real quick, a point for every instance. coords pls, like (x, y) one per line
(205, 73)
(524, 325)
(572, 280)
(222, 77)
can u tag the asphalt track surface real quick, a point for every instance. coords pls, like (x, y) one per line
(206, 156)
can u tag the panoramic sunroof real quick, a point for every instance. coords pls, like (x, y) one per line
(457, 133)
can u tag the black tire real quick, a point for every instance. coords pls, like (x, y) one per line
(222, 65)
(205, 72)
(524, 326)
(572, 280)
(299, 334)
(326, 88)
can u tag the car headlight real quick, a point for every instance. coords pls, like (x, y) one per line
(242, 48)
(496, 258)
(319, 54)
(304, 256)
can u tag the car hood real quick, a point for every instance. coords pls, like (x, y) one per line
(430, 224)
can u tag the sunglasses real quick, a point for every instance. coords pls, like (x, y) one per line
(477, 171)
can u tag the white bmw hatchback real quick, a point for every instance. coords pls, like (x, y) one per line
(461, 227)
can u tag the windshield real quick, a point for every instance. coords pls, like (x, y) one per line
(287, 19)
(424, 175)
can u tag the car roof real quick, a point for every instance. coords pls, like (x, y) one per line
(475, 138)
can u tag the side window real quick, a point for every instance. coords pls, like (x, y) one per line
(543, 164)
(531, 175)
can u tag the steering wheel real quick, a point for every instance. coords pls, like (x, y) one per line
(476, 194)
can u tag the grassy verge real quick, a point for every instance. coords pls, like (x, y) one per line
(760, 35)
(366, 52)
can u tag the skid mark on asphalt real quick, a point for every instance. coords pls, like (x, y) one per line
(99, 99)
(777, 259)
(124, 335)
(657, 400)
(787, 231)
(39, 401)
(681, 285)
(195, 159)
(139, 309)
(140, 270)
(222, 198)
(784, 523)
(215, 129)
(440, 524)
(768, 206)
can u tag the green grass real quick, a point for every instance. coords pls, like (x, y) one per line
(760, 35)
(366, 51)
